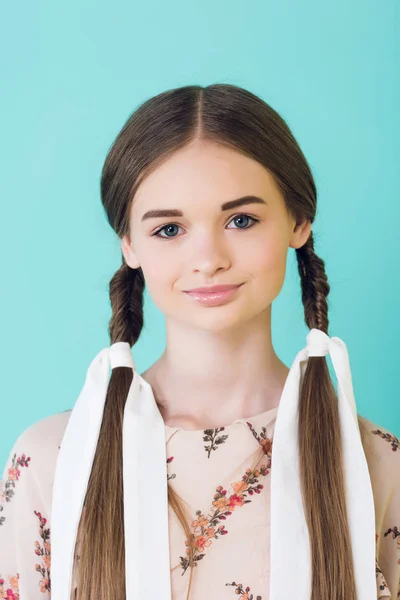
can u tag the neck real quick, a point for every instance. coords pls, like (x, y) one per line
(204, 380)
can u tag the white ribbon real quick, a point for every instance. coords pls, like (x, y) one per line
(144, 461)
(290, 564)
(147, 559)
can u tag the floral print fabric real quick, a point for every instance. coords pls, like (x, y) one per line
(227, 503)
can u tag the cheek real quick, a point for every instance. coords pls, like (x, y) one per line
(155, 262)
(158, 272)
(268, 263)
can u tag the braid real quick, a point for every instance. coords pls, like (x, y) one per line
(314, 286)
(126, 296)
(323, 489)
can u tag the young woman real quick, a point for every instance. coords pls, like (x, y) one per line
(218, 473)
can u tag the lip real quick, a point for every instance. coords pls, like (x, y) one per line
(215, 298)
(212, 289)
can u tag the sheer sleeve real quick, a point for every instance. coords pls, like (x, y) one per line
(24, 520)
(388, 534)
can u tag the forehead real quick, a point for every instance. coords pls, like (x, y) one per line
(205, 173)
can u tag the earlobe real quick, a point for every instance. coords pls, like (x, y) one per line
(129, 253)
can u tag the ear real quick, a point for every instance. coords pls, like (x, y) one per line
(300, 234)
(129, 253)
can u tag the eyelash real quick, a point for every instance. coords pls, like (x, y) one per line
(156, 233)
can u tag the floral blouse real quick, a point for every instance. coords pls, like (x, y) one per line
(228, 506)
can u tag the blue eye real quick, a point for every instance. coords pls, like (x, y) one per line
(168, 225)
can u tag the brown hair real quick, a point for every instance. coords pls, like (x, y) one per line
(232, 116)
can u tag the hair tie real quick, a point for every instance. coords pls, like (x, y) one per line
(317, 343)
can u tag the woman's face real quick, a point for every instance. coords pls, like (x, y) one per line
(206, 245)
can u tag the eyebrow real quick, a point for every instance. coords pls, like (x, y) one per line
(173, 212)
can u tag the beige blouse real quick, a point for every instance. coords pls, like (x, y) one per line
(227, 503)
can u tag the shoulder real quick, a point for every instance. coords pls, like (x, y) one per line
(382, 451)
(381, 442)
(44, 435)
(31, 462)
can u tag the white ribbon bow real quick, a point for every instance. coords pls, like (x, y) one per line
(144, 459)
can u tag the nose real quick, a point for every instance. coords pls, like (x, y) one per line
(209, 254)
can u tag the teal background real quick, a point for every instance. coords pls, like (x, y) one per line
(71, 73)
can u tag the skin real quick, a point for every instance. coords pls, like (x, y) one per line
(219, 363)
